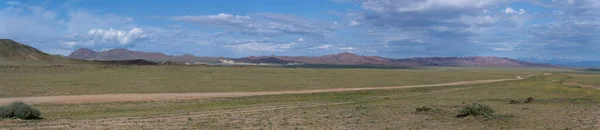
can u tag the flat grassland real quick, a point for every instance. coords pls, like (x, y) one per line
(555, 105)
(22, 81)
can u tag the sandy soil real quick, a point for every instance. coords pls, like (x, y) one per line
(77, 99)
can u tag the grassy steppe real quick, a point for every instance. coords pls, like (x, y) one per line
(43, 80)
(556, 106)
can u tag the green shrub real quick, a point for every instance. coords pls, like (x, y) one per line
(19, 110)
(424, 108)
(475, 110)
(4, 113)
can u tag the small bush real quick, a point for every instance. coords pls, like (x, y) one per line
(19, 110)
(475, 110)
(4, 113)
(529, 100)
(514, 102)
(422, 109)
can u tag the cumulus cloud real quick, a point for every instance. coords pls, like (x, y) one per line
(397, 28)
(117, 36)
(107, 38)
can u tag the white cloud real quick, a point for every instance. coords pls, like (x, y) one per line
(521, 11)
(13, 3)
(509, 10)
(300, 40)
(258, 46)
(222, 17)
(118, 36)
(106, 38)
(420, 5)
(354, 23)
(349, 49)
(503, 49)
(512, 11)
(326, 46)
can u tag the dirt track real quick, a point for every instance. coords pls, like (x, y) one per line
(76, 99)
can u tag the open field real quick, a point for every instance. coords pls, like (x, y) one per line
(102, 98)
(556, 106)
(583, 79)
(292, 98)
(48, 80)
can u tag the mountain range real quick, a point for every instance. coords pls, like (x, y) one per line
(125, 54)
(344, 58)
(12, 50)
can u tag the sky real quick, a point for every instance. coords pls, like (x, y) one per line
(525, 29)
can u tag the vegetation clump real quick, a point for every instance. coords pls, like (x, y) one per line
(514, 102)
(19, 110)
(475, 110)
(529, 100)
(422, 109)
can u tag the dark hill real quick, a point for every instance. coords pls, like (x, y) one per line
(125, 54)
(13, 50)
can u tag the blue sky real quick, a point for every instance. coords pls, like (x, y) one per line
(534, 29)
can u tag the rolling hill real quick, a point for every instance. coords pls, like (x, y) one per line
(15, 52)
(125, 54)
(12, 50)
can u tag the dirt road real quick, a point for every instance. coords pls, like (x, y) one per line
(76, 99)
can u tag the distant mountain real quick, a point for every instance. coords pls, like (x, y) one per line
(472, 61)
(124, 54)
(263, 59)
(564, 62)
(583, 64)
(346, 58)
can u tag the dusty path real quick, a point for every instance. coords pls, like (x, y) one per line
(181, 120)
(75, 99)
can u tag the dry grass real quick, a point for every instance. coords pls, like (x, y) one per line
(44, 80)
(555, 107)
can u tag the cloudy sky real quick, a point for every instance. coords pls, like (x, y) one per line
(536, 29)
